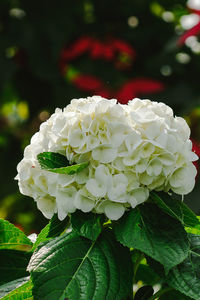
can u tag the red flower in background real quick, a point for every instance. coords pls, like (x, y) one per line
(196, 149)
(115, 50)
(191, 32)
(138, 86)
(194, 31)
(87, 83)
(82, 45)
(111, 50)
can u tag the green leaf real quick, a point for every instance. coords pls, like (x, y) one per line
(155, 233)
(147, 275)
(58, 163)
(54, 228)
(174, 295)
(51, 160)
(13, 238)
(186, 276)
(195, 229)
(71, 169)
(12, 285)
(88, 225)
(175, 208)
(24, 292)
(73, 267)
(144, 293)
(13, 264)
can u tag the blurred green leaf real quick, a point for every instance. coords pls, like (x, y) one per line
(13, 238)
(24, 292)
(12, 285)
(13, 264)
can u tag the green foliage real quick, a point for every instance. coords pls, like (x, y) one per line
(155, 233)
(12, 237)
(88, 225)
(23, 292)
(195, 229)
(174, 295)
(175, 208)
(51, 160)
(13, 264)
(147, 275)
(76, 268)
(89, 263)
(12, 285)
(71, 169)
(186, 276)
(58, 163)
(54, 228)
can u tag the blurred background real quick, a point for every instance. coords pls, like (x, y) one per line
(53, 51)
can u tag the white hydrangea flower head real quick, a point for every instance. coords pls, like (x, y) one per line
(131, 149)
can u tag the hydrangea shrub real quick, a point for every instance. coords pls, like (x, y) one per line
(105, 173)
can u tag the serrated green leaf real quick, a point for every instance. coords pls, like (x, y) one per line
(88, 225)
(175, 208)
(24, 292)
(73, 267)
(70, 170)
(186, 276)
(174, 295)
(144, 293)
(13, 264)
(54, 228)
(12, 285)
(51, 160)
(155, 233)
(13, 238)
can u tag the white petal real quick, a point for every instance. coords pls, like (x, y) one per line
(114, 211)
(141, 166)
(104, 154)
(102, 173)
(77, 138)
(155, 167)
(97, 189)
(166, 159)
(65, 199)
(47, 205)
(132, 159)
(133, 140)
(92, 142)
(83, 203)
(140, 194)
(147, 149)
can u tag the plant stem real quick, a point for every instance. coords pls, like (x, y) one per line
(136, 265)
(160, 292)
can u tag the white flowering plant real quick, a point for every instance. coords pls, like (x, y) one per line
(105, 174)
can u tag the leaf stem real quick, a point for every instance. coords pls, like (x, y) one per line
(160, 292)
(136, 265)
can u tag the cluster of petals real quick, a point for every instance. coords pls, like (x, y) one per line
(131, 149)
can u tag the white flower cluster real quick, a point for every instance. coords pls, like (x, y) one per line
(132, 149)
